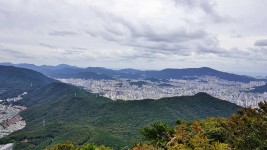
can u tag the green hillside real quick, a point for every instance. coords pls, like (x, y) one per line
(90, 119)
(16, 80)
(60, 112)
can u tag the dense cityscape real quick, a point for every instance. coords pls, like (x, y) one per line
(125, 89)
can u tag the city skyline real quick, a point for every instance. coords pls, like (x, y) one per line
(146, 35)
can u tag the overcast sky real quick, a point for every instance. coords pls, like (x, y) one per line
(228, 35)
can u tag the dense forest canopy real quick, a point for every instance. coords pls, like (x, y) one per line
(247, 129)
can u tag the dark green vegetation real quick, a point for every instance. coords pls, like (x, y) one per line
(71, 146)
(43, 69)
(87, 119)
(14, 80)
(247, 129)
(209, 134)
(56, 115)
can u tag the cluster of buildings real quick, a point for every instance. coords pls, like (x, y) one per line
(125, 89)
(10, 119)
(8, 146)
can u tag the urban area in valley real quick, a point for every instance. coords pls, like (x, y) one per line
(137, 89)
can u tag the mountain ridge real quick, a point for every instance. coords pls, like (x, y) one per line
(17, 80)
(67, 71)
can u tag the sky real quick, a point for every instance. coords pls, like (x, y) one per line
(228, 35)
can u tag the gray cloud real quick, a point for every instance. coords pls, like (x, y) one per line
(48, 45)
(79, 48)
(261, 42)
(10, 52)
(62, 33)
(176, 36)
(84, 31)
(181, 40)
(72, 52)
(207, 6)
(237, 36)
(118, 27)
(251, 54)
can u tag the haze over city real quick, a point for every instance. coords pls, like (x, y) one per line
(148, 34)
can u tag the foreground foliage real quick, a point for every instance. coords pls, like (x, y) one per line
(71, 146)
(245, 130)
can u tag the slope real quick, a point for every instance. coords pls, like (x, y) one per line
(16, 80)
(45, 69)
(88, 118)
(77, 73)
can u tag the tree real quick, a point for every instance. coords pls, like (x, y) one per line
(248, 128)
(71, 146)
(192, 135)
(158, 134)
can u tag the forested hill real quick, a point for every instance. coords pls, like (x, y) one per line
(73, 114)
(15, 80)
(88, 118)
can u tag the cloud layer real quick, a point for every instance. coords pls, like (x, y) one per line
(148, 34)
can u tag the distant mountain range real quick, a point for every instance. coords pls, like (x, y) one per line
(59, 112)
(43, 69)
(98, 73)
